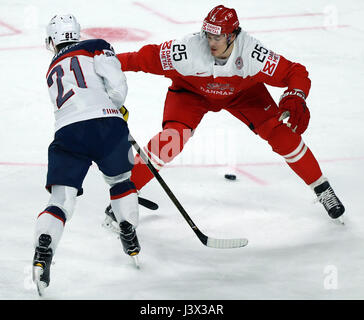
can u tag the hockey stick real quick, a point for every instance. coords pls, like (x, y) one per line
(207, 241)
(147, 203)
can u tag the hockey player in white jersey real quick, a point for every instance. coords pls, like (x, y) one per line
(88, 90)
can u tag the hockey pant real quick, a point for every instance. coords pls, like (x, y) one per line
(168, 143)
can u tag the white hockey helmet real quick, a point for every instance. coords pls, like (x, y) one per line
(61, 29)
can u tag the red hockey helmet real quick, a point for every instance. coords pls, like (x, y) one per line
(221, 20)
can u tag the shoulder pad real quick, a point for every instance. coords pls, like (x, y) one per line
(257, 57)
(186, 55)
(96, 45)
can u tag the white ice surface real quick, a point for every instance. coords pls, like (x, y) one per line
(295, 250)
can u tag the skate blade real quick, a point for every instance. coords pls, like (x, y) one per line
(340, 221)
(110, 225)
(135, 259)
(41, 285)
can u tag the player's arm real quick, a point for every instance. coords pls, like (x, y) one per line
(108, 67)
(275, 70)
(146, 60)
(292, 103)
(155, 59)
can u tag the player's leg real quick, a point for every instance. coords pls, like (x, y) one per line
(66, 172)
(302, 161)
(53, 218)
(183, 112)
(259, 111)
(49, 229)
(124, 204)
(115, 161)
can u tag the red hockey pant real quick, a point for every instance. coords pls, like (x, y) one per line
(255, 107)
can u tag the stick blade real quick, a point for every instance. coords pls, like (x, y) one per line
(220, 243)
(226, 243)
(148, 203)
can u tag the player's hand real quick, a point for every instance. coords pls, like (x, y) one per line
(125, 113)
(292, 104)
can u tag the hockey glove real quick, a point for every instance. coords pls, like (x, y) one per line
(292, 104)
(125, 113)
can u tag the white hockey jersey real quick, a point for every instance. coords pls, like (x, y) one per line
(190, 65)
(85, 81)
(243, 62)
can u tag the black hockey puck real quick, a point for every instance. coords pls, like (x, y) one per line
(230, 176)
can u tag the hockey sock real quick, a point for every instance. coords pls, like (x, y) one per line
(161, 149)
(51, 221)
(305, 165)
(124, 202)
(291, 146)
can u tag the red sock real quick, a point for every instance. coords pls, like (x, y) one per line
(161, 149)
(291, 146)
(140, 174)
(307, 167)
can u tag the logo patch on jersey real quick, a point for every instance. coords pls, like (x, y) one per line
(110, 111)
(239, 63)
(166, 55)
(271, 64)
(220, 89)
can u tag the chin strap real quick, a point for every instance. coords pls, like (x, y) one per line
(228, 38)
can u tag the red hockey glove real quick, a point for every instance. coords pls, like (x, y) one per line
(292, 104)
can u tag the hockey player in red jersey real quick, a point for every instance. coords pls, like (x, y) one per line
(224, 68)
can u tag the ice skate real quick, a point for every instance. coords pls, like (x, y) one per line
(332, 204)
(129, 240)
(41, 263)
(110, 222)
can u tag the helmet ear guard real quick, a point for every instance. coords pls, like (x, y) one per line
(48, 43)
